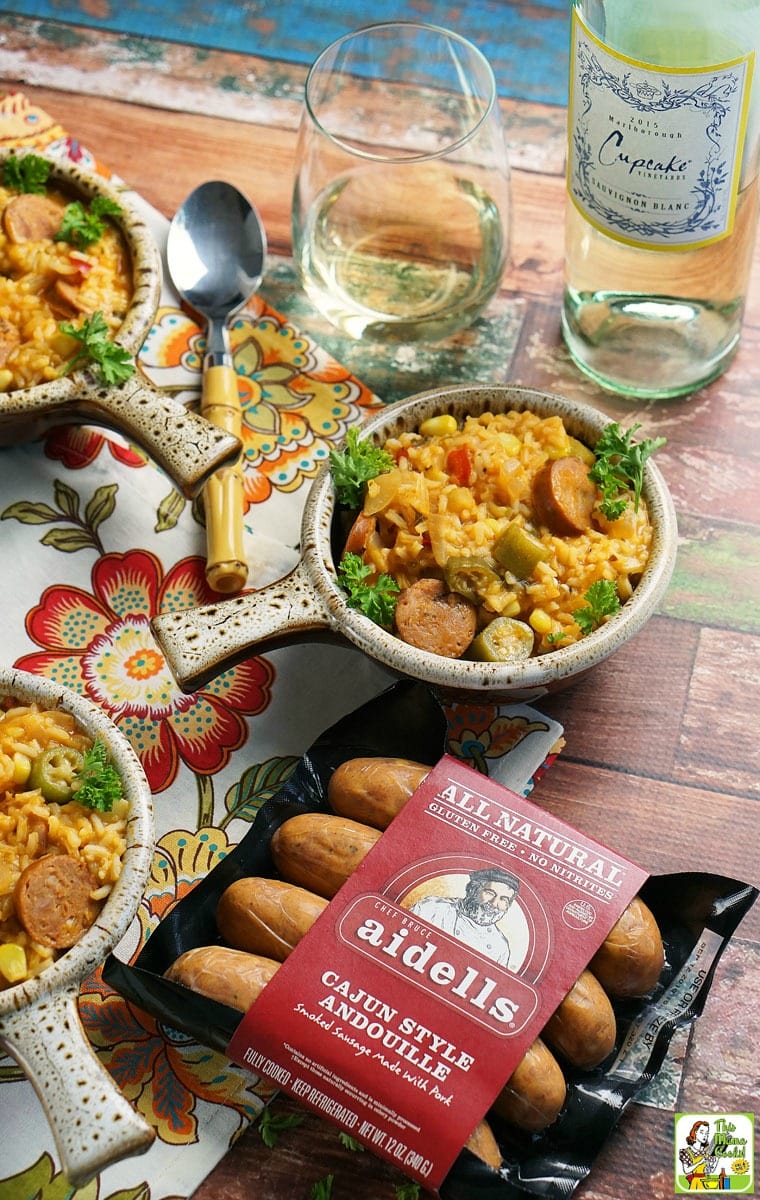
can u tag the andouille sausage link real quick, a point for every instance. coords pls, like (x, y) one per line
(533, 1096)
(266, 916)
(374, 790)
(631, 957)
(54, 902)
(564, 496)
(319, 851)
(431, 618)
(230, 976)
(583, 1028)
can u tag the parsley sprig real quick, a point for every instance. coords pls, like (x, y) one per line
(27, 173)
(100, 783)
(83, 226)
(270, 1127)
(602, 601)
(114, 362)
(350, 1142)
(376, 597)
(407, 1190)
(322, 1189)
(619, 467)
(353, 467)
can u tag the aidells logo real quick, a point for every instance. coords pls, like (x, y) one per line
(714, 1152)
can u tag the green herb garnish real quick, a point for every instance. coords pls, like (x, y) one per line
(82, 227)
(349, 1142)
(114, 362)
(322, 1189)
(270, 1127)
(100, 783)
(408, 1190)
(353, 467)
(603, 601)
(619, 467)
(26, 174)
(376, 598)
(554, 638)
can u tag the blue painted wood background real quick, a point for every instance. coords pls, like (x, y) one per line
(526, 41)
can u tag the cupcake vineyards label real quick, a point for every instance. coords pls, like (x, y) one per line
(655, 152)
(404, 1010)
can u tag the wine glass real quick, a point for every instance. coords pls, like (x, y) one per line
(401, 208)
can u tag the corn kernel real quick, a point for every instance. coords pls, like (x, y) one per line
(581, 451)
(22, 767)
(443, 425)
(540, 621)
(510, 444)
(6, 379)
(459, 500)
(12, 962)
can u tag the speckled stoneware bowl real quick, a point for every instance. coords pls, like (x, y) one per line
(199, 643)
(188, 447)
(92, 1122)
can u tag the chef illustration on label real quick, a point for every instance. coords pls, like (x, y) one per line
(474, 917)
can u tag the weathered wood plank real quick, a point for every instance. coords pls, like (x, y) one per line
(526, 41)
(242, 87)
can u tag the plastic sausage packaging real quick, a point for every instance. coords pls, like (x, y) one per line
(430, 960)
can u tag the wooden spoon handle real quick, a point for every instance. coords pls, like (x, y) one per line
(226, 566)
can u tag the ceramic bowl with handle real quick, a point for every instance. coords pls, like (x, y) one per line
(92, 1122)
(184, 444)
(199, 643)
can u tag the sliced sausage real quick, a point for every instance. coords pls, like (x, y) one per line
(359, 534)
(69, 297)
(230, 976)
(30, 218)
(53, 900)
(564, 496)
(9, 340)
(434, 619)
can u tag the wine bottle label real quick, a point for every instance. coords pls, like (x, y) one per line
(655, 152)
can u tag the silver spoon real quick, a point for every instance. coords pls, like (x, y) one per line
(215, 254)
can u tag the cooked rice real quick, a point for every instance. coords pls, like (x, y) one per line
(28, 274)
(30, 827)
(424, 517)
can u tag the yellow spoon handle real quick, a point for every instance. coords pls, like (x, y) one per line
(226, 566)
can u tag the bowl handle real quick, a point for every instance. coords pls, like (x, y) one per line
(93, 1124)
(187, 446)
(200, 643)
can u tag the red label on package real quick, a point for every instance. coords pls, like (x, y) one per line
(403, 1012)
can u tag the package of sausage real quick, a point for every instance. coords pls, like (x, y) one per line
(468, 986)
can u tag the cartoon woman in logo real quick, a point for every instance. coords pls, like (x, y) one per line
(699, 1161)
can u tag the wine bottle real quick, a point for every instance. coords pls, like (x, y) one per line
(663, 157)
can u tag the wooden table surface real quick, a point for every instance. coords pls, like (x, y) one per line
(663, 756)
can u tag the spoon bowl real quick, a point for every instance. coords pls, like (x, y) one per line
(216, 250)
(215, 253)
